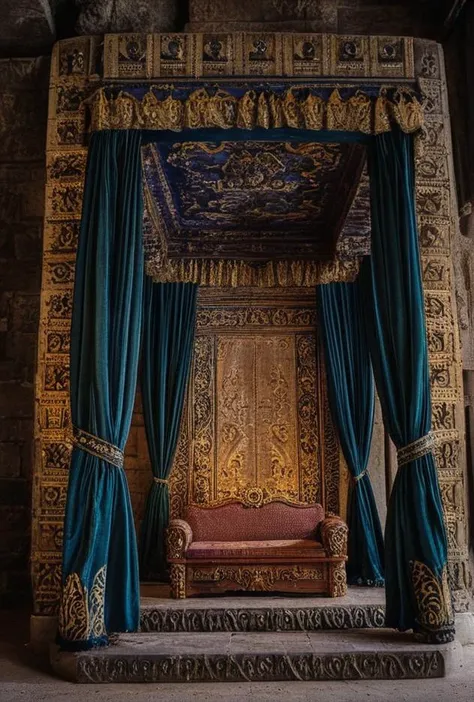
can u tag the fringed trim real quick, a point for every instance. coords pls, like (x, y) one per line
(269, 274)
(259, 108)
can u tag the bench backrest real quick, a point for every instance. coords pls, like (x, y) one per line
(235, 522)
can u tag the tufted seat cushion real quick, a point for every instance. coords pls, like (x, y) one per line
(287, 548)
(235, 522)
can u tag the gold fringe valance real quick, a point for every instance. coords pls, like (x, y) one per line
(265, 109)
(271, 274)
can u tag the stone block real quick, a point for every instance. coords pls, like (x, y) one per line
(16, 399)
(10, 460)
(13, 492)
(395, 19)
(25, 278)
(107, 16)
(251, 11)
(25, 313)
(27, 242)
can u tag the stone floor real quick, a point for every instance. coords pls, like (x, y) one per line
(157, 596)
(25, 678)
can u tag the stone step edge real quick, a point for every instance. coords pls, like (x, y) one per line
(133, 667)
(182, 619)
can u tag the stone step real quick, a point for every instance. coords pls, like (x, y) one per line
(259, 657)
(362, 608)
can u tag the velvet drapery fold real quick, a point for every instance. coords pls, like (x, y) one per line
(168, 335)
(351, 400)
(417, 590)
(100, 561)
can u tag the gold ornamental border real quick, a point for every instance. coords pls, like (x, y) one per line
(259, 109)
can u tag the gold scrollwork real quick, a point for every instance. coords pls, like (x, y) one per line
(257, 578)
(81, 614)
(178, 581)
(334, 533)
(339, 579)
(433, 596)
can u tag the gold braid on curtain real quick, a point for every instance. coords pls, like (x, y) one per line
(265, 109)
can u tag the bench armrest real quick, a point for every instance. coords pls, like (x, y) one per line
(178, 538)
(334, 533)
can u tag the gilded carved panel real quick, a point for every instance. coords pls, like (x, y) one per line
(256, 397)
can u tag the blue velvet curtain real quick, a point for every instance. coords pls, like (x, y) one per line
(351, 399)
(415, 538)
(100, 561)
(169, 321)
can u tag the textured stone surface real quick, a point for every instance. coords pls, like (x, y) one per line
(103, 16)
(26, 27)
(360, 608)
(259, 657)
(338, 16)
(23, 105)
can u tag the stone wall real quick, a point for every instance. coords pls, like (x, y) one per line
(23, 114)
(330, 16)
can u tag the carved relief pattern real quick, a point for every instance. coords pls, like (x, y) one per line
(339, 579)
(436, 221)
(263, 442)
(256, 578)
(331, 453)
(178, 580)
(202, 430)
(262, 619)
(254, 667)
(179, 475)
(308, 444)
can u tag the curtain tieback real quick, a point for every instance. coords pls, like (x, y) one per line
(161, 481)
(98, 447)
(356, 478)
(416, 449)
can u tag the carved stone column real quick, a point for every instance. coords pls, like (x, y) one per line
(437, 219)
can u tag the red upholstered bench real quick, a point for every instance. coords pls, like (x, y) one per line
(276, 547)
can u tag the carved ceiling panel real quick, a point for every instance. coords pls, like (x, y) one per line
(259, 200)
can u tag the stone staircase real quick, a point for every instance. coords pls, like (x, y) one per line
(251, 639)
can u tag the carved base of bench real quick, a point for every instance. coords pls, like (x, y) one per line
(326, 578)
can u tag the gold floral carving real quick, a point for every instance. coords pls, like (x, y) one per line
(179, 474)
(260, 440)
(178, 538)
(331, 451)
(308, 419)
(81, 614)
(178, 581)
(432, 595)
(339, 579)
(258, 578)
(334, 534)
(258, 108)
